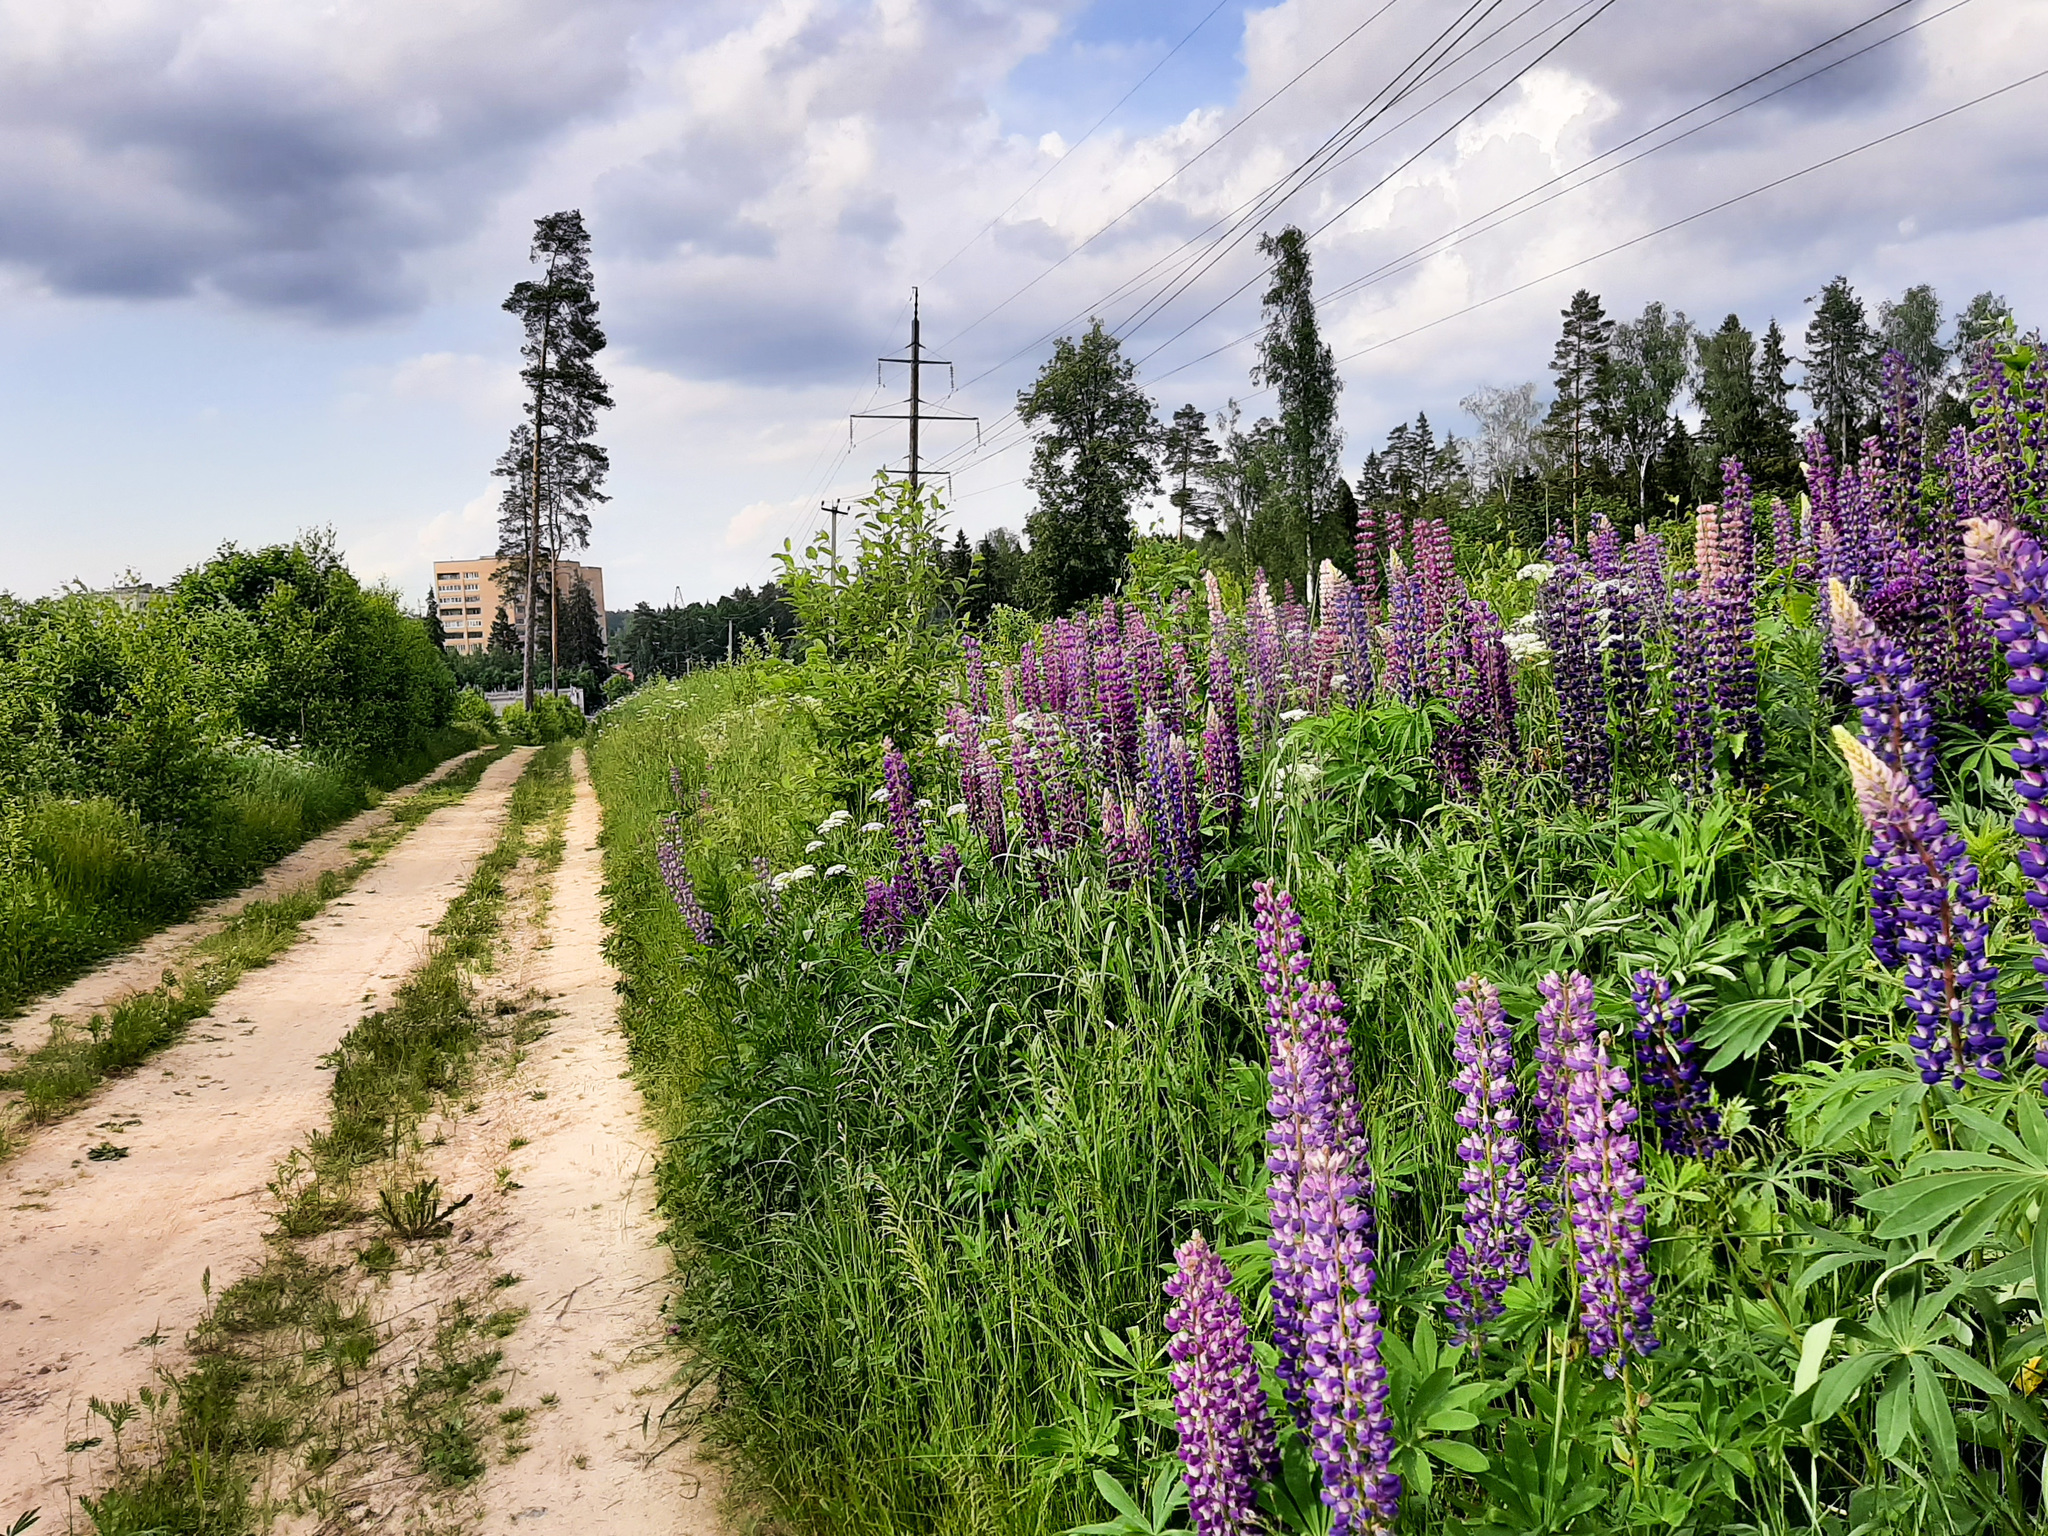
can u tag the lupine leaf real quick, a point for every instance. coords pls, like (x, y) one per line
(1813, 1353)
(1894, 1408)
(1843, 1382)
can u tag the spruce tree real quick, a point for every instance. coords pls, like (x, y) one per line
(1726, 393)
(1841, 367)
(1577, 421)
(504, 639)
(435, 633)
(1188, 455)
(1300, 526)
(1775, 453)
(582, 632)
(1096, 436)
(553, 469)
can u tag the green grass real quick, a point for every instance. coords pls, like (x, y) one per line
(69, 1067)
(279, 1345)
(83, 879)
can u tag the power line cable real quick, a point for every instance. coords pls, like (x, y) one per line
(1068, 152)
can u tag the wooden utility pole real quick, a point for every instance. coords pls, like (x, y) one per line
(918, 411)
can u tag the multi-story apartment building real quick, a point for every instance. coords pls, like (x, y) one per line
(467, 594)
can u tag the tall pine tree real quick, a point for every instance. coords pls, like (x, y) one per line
(1727, 397)
(554, 470)
(1188, 456)
(1577, 424)
(1774, 456)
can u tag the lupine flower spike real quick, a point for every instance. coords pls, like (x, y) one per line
(1929, 876)
(1227, 1443)
(1565, 1018)
(1324, 1317)
(1609, 1225)
(1493, 1241)
(675, 874)
(2009, 572)
(1687, 1123)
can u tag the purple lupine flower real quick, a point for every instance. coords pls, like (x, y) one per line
(1407, 635)
(981, 781)
(1688, 1125)
(1263, 680)
(1176, 811)
(1497, 701)
(1029, 776)
(1628, 687)
(1565, 1017)
(1692, 695)
(1609, 1225)
(1126, 844)
(1566, 615)
(1227, 1441)
(1222, 764)
(1030, 681)
(1604, 549)
(675, 874)
(1898, 725)
(882, 924)
(1784, 538)
(675, 784)
(906, 825)
(1119, 714)
(1366, 551)
(2009, 572)
(1728, 589)
(1443, 594)
(1325, 1321)
(977, 675)
(1649, 574)
(1951, 988)
(1493, 1242)
(1905, 436)
(1344, 611)
(1819, 464)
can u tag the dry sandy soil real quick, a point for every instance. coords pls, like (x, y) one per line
(101, 1262)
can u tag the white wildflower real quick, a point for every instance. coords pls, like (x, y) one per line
(1524, 646)
(871, 826)
(1292, 715)
(813, 846)
(944, 738)
(1540, 570)
(835, 871)
(922, 805)
(880, 796)
(957, 808)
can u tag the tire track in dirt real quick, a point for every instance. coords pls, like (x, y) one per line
(142, 967)
(582, 1232)
(100, 1262)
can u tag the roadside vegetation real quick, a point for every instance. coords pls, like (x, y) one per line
(157, 753)
(1562, 1019)
(297, 1379)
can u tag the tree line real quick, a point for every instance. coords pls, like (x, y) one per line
(1613, 434)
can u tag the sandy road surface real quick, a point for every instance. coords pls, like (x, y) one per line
(96, 1256)
(582, 1233)
(143, 966)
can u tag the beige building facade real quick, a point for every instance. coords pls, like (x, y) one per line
(467, 594)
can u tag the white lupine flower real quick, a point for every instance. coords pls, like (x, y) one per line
(871, 826)
(813, 846)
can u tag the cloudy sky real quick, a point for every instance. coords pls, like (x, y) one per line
(252, 252)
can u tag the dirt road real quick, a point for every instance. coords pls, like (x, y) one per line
(96, 1257)
(101, 1261)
